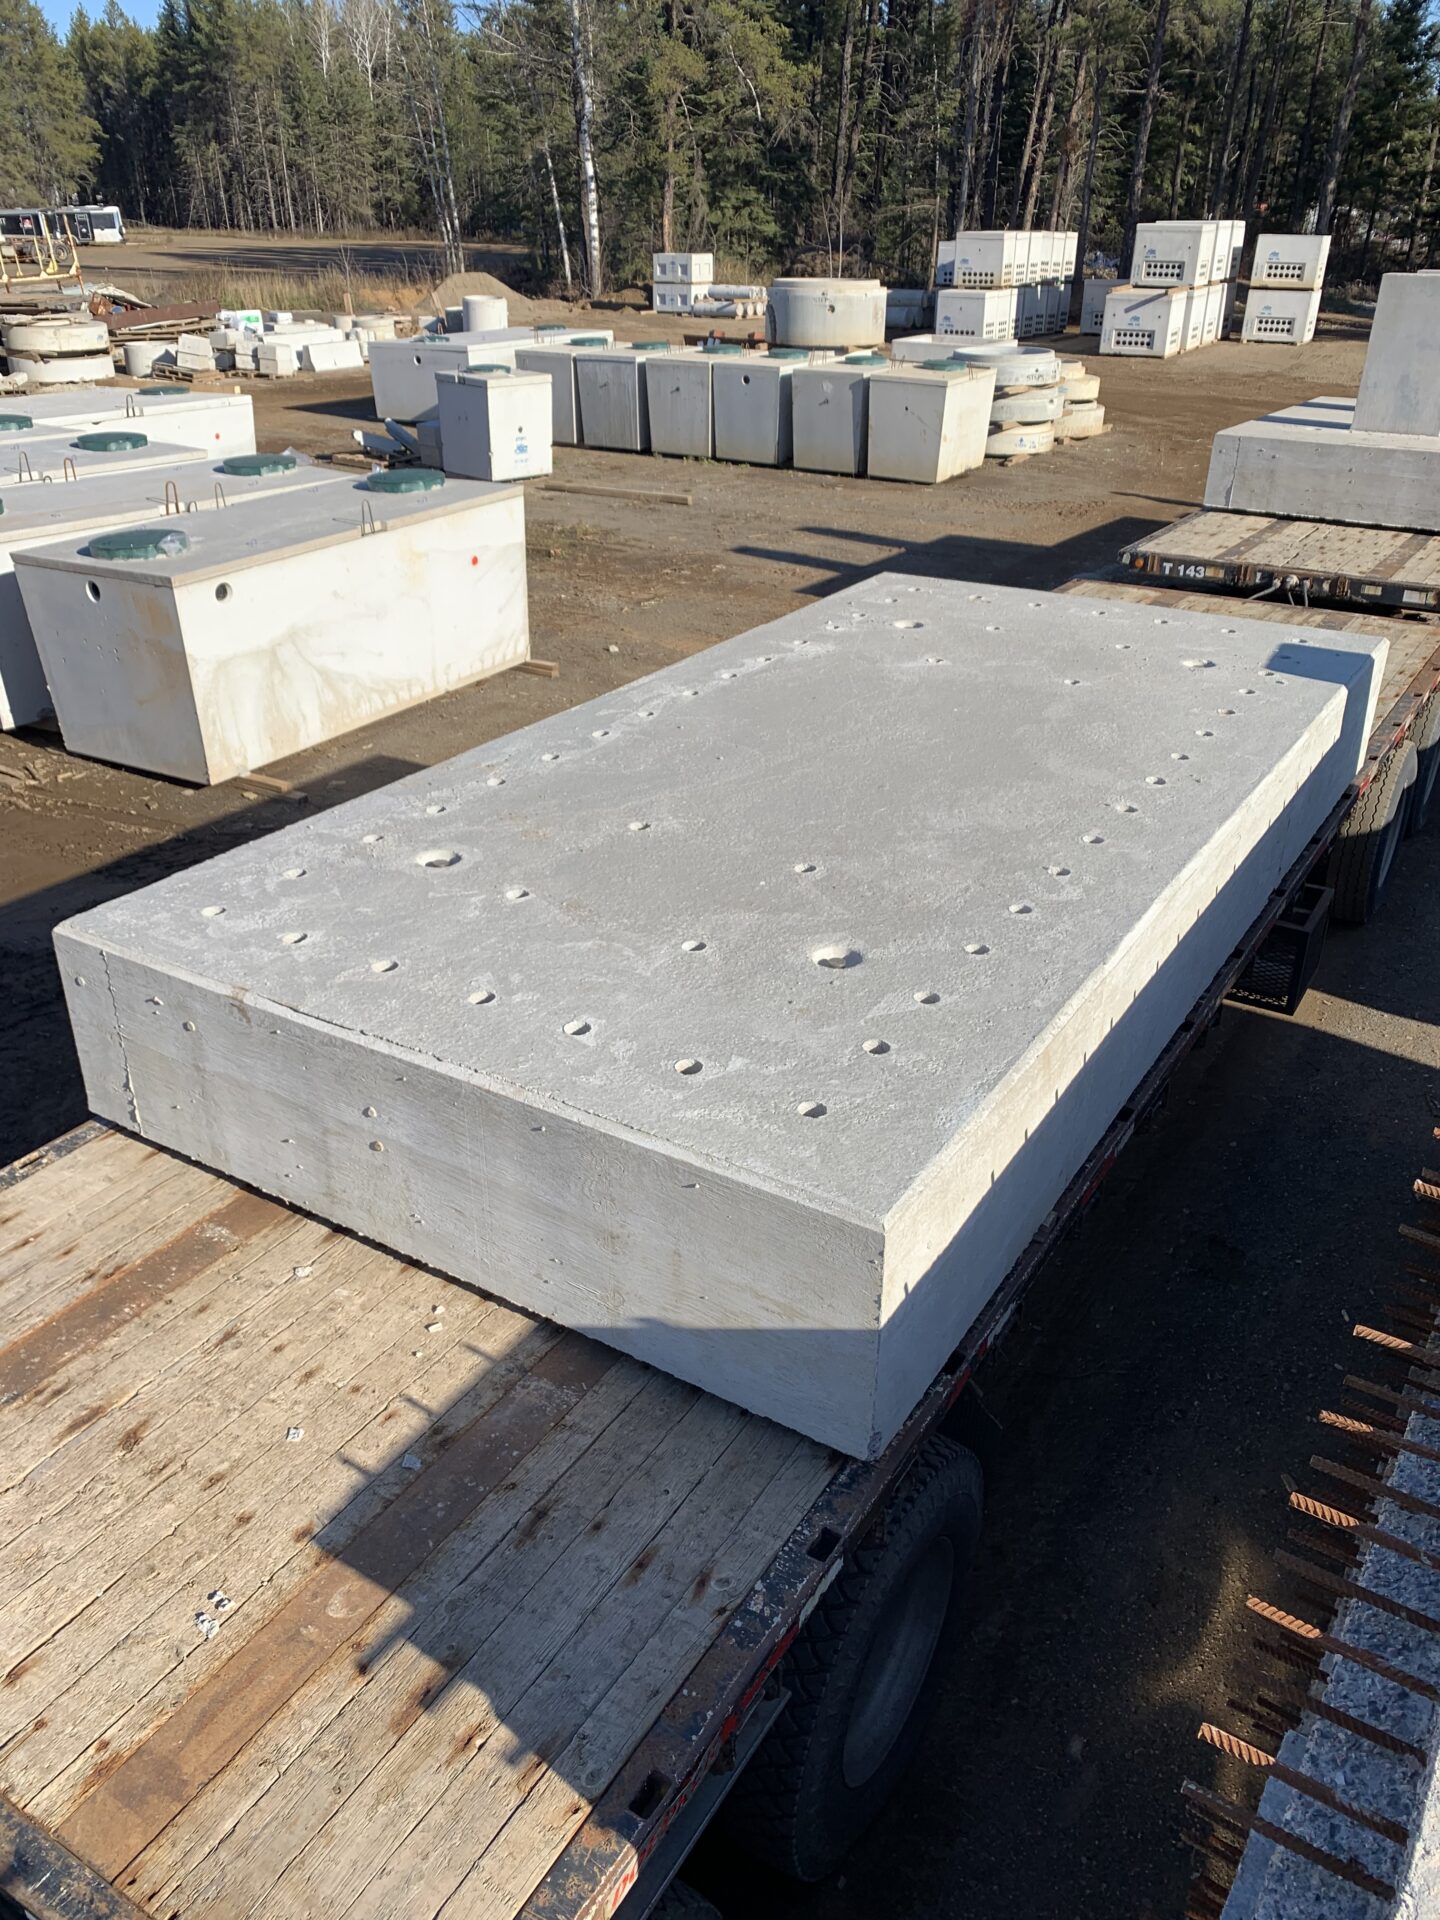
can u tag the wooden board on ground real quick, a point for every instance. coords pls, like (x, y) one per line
(1359, 566)
(329, 1584)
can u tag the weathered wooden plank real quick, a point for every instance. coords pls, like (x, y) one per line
(352, 1848)
(131, 1806)
(48, 1878)
(284, 1780)
(66, 1194)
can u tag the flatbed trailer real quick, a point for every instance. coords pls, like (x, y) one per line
(329, 1586)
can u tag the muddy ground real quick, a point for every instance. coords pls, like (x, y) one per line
(1139, 1426)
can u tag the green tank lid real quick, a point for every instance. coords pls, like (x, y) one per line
(649, 346)
(138, 543)
(723, 346)
(15, 423)
(111, 442)
(405, 480)
(163, 393)
(252, 465)
(952, 365)
(788, 353)
(866, 360)
(553, 326)
(588, 340)
(490, 366)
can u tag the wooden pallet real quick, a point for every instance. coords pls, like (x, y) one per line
(1305, 559)
(328, 1586)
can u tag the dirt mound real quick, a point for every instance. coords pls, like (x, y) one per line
(450, 292)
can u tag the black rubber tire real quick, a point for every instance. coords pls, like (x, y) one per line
(1426, 735)
(680, 1901)
(793, 1807)
(1361, 864)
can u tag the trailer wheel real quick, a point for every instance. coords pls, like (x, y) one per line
(680, 1901)
(1426, 735)
(1365, 852)
(857, 1675)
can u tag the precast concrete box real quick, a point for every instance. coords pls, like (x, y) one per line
(215, 423)
(1290, 260)
(928, 424)
(34, 516)
(557, 360)
(802, 312)
(682, 411)
(1400, 384)
(752, 1017)
(205, 649)
(831, 414)
(1284, 318)
(1308, 462)
(675, 296)
(1092, 304)
(494, 426)
(683, 269)
(1148, 323)
(1175, 253)
(62, 458)
(614, 396)
(979, 314)
(402, 372)
(989, 257)
(754, 420)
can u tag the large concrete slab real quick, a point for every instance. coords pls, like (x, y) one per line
(35, 515)
(1308, 462)
(1400, 384)
(279, 623)
(59, 459)
(752, 1016)
(213, 423)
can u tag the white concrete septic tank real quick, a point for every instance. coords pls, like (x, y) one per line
(34, 516)
(215, 423)
(205, 649)
(649, 1019)
(826, 313)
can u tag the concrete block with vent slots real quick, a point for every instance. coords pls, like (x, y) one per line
(752, 1016)
(205, 647)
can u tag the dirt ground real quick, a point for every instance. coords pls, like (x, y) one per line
(1138, 1426)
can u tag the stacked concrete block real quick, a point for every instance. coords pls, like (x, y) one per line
(831, 412)
(1290, 260)
(979, 314)
(1177, 253)
(1083, 414)
(277, 359)
(1149, 322)
(929, 423)
(494, 426)
(34, 516)
(203, 650)
(678, 280)
(57, 350)
(331, 356)
(1310, 462)
(1400, 383)
(681, 401)
(1281, 316)
(774, 1107)
(1041, 310)
(1005, 257)
(908, 308)
(557, 360)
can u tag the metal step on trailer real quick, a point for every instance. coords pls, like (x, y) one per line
(1307, 559)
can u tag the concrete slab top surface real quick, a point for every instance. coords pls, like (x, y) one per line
(37, 507)
(273, 525)
(795, 909)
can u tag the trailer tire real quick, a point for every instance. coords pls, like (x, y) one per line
(1365, 852)
(680, 1901)
(856, 1674)
(1426, 735)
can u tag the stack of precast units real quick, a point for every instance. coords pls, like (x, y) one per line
(1003, 284)
(1181, 290)
(1286, 278)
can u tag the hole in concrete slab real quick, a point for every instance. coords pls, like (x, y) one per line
(1057, 873)
(435, 806)
(1179, 756)
(1124, 806)
(973, 946)
(875, 1046)
(639, 826)
(377, 1146)
(927, 997)
(438, 857)
(1154, 779)
(1196, 665)
(212, 913)
(690, 693)
(811, 1110)
(1021, 906)
(600, 733)
(804, 866)
(1226, 713)
(481, 997)
(293, 939)
(907, 626)
(549, 756)
(1072, 683)
(291, 873)
(935, 660)
(517, 893)
(1245, 690)
(383, 966)
(835, 957)
(92, 589)
(576, 1027)
(371, 839)
(370, 1113)
(647, 713)
(1094, 839)
(693, 946)
(222, 593)
(992, 629)
(496, 780)
(1122, 646)
(687, 1066)
(1204, 733)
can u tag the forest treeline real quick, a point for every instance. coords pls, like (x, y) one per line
(818, 135)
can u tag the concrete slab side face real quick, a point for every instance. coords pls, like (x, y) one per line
(213, 423)
(831, 414)
(614, 402)
(732, 1101)
(1307, 462)
(1400, 384)
(283, 623)
(682, 414)
(754, 420)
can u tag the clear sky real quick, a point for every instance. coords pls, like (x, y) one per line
(60, 12)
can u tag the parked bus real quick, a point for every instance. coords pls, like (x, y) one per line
(90, 225)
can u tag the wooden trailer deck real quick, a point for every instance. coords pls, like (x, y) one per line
(328, 1587)
(1321, 560)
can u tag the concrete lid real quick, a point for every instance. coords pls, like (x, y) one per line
(32, 511)
(923, 814)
